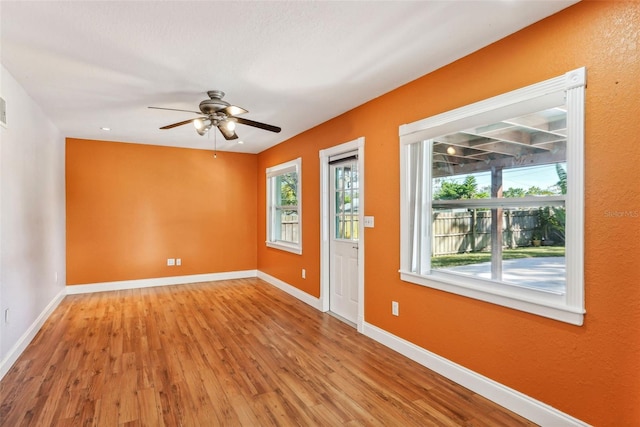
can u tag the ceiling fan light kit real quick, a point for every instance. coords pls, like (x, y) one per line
(215, 112)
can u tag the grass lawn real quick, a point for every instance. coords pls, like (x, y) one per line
(478, 257)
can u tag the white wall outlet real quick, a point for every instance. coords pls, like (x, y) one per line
(368, 221)
(171, 261)
(178, 261)
(395, 308)
(6, 316)
(304, 273)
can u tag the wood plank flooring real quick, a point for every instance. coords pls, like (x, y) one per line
(228, 353)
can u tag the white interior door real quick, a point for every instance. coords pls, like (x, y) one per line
(343, 245)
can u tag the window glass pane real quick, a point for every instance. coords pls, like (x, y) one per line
(516, 158)
(462, 243)
(287, 187)
(288, 226)
(525, 151)
(284, 218)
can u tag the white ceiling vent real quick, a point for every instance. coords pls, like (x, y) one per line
(3, 112)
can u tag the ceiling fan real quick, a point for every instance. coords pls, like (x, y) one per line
(215, 112)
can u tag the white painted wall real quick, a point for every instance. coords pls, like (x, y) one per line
(32, 219)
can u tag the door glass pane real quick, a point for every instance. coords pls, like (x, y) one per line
(346, 201)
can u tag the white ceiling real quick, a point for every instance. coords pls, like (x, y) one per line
(296, 64)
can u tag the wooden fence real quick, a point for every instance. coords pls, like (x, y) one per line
(455, 232)
(289, 228)
(470, 231)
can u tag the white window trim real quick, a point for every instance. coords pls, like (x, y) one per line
(568, 88)
(291, 166)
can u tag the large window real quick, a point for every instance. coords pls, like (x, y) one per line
(492, 199)
(284, 189)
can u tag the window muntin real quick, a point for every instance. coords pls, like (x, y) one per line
(284, 206)
(484, 179)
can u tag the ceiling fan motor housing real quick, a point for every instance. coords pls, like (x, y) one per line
(211, 106)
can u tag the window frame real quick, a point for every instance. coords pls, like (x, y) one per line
(272, 173)
(568, 88)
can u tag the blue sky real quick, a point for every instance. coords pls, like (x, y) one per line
(543, 176)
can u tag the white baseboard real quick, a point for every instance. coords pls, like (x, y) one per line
(292, 290)
(523, 405)
(515, 401)
(160, 281)
(26, 338)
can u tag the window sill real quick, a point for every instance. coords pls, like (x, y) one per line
(283, 246)
(541, 303)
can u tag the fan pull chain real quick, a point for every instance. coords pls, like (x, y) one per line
(215, 143)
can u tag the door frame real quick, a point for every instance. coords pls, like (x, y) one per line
(325, 218)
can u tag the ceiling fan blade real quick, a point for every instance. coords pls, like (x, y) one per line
(175, 109)
(228, 134)
(233, 110)
(257, 124)
(171, 126)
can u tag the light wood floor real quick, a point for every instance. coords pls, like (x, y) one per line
(237, 352)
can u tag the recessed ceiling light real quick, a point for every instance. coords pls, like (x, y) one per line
(240, 141)
(105, 128)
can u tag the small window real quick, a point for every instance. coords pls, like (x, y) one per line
(492, 199)
(284, 217)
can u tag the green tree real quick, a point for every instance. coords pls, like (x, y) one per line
(560, 213)
(534, 190)
(562, 178)
(513, 192)
(468, 189)
(552, 219)
(288, 189)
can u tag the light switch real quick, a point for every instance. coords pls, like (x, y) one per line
(368, 221)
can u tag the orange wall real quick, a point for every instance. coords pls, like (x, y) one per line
(590, 372)
(285, 265)
(131, 206)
